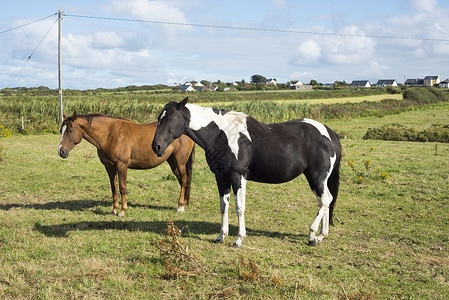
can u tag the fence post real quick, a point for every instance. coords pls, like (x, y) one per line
(61, 118)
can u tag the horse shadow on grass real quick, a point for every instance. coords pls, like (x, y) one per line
(78, 205)
(194, 229)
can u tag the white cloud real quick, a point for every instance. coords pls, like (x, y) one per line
(309, 51)
(107, 39)
(161, 11)
(301, 76)
(373, 69)
(280, 4)
(336, 50)
(424, 5)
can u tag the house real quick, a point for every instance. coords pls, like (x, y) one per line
(271, 82)
(444, 84)
(361, 83)
(329, 85)
(295, 85)
(198, 84)
(186, 88)
(208, 88)
(386, 82)
(414, 82)
(431, 80)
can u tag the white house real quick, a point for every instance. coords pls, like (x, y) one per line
(361, 83)
(271, 82)
(386, 82)
(444, 84)
(295, 85)
(186, 88)
(209, 88)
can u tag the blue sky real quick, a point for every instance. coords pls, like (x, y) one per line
(106, 53)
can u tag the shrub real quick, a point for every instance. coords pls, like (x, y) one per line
(436, 133)
(398, 132)
(391, 132)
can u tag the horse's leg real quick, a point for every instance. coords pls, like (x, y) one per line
(323, 216)
(180, 172)
(122, 173)
(239, 188)
(112, 173)
(224, 189)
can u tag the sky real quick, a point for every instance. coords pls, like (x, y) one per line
(325, 40)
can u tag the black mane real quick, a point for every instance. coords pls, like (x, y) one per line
(91, 117)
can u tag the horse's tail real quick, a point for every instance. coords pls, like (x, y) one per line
(189, 170)
(333, 182)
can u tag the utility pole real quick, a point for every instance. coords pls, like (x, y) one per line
(61, 118)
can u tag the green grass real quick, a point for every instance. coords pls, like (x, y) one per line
(58, 240)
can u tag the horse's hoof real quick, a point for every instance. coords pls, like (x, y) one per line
(237, 246)
(180, 210)
(121, 214)
(314, 242)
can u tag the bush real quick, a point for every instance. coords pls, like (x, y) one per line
(436, 133)
(391, 132)
(398, 132)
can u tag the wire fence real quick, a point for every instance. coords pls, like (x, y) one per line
(22, 120)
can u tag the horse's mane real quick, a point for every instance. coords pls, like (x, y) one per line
(91, 117)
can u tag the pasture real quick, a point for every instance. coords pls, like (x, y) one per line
(59, 241)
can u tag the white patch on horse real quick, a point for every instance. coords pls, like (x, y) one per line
(321, 128)
(323, 213)
(240, 196)
(231, 123)
(162, 115)
(62, 135)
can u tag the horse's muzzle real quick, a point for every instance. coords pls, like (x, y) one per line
(63, 153)
(158, 150)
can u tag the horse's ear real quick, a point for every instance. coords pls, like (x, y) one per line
(183, 102)
(75, 115)
(64, 115)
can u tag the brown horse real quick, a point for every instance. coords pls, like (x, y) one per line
(122, 144)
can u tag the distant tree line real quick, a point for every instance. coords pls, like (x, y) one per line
(257, 83)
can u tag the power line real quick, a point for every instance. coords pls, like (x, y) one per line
(23, 25)
(29, 57)
(259, 29)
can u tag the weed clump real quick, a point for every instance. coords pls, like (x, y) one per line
(363, 169)
(248, 270)
(4, 133)
(174, 255)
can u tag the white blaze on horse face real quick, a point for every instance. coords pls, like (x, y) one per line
(321, 128)
(231, 123)
(62, 135)
(162, 116)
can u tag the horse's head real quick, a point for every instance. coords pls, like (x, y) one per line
(71, 135)
(171, 124)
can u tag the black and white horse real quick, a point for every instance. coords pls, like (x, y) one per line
(239, 148)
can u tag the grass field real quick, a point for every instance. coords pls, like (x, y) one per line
(327, 100)
(58, 240)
